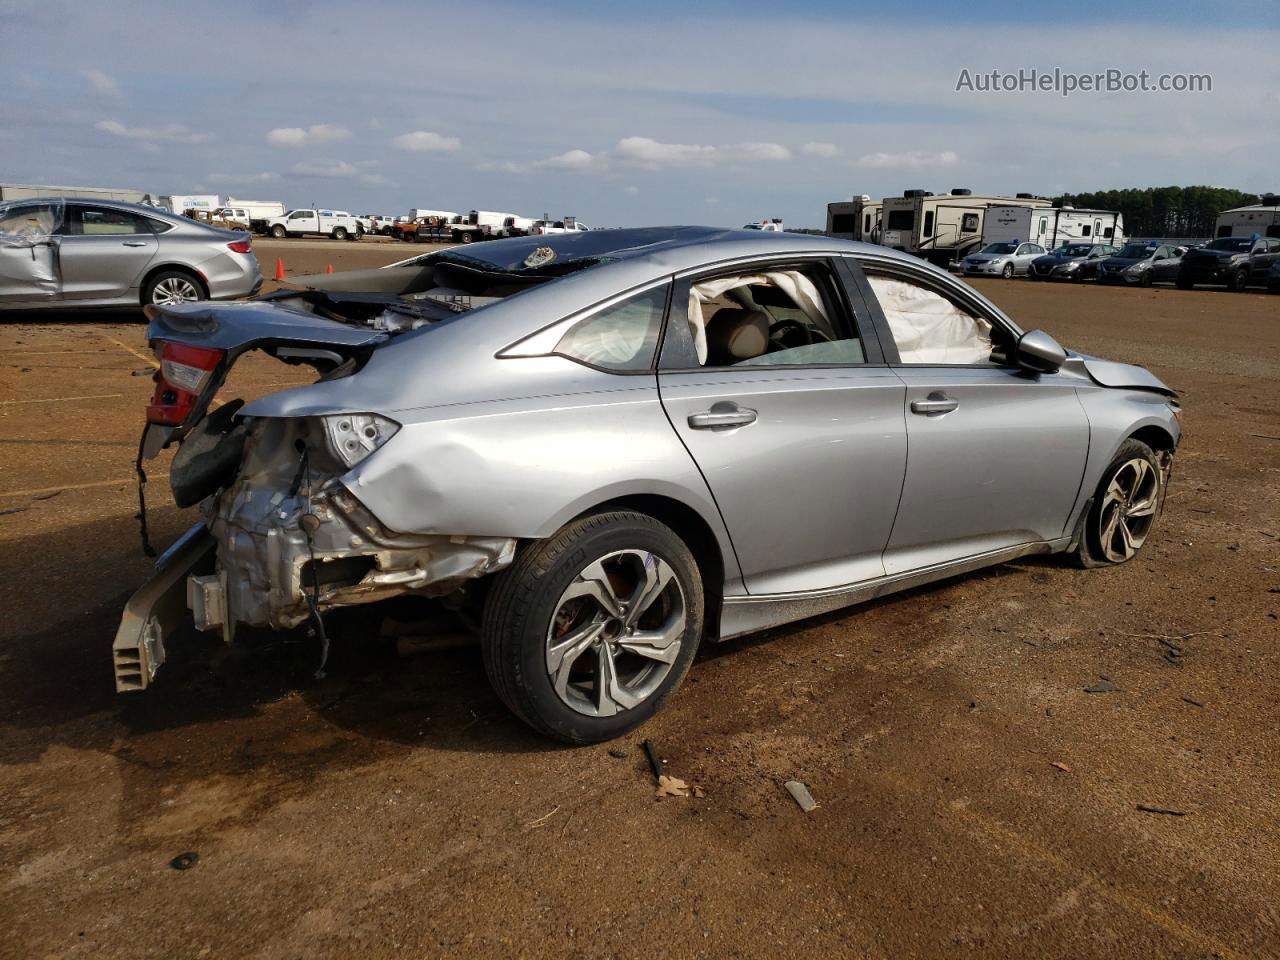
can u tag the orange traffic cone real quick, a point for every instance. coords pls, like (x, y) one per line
(279, 268)
(329, 269)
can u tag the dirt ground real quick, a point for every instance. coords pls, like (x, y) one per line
(974, 800)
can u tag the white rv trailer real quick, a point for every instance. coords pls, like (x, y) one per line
(1261, 218)
(941, 227)
(419, 213)
(857, 219)
(1050, 227)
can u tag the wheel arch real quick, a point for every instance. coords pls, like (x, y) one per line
(157, 269)
(1154, 436)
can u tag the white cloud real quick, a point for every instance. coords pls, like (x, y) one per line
(761, 151)
(171, 133)
(711, 200)
(425, 141)
(910, 159)
(652, 154)
(570, 160)
(299, 137)
(818, 149)
(101, 83)
(237, 178)
(631, 191)
(338, 170)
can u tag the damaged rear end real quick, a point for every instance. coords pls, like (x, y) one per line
(283, 538)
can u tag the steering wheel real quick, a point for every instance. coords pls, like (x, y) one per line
(790, 333)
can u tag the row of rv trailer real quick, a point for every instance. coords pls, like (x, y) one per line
(945, 228)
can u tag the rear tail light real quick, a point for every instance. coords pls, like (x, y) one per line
(352, 437)
(184, 373)
(240, 246)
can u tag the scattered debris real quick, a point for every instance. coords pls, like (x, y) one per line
(1172, 813)
(655, 764)
(5, 513)
(618, 754)
(800, 793)
(185, 861)
(1102, 686)
(671, 787)
(534, 824)
(47, 496)
(1264, 436)
(1061, 766)
(1194, 703)
(698, 792)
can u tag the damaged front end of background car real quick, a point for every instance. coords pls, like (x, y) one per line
(283, 538)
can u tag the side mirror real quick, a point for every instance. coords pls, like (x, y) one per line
(1039, 352)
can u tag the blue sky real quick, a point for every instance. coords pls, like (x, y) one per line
(624, 114)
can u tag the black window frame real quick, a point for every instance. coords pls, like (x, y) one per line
(840, 289)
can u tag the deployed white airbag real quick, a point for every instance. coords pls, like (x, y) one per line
(803, 292)
(929, 328)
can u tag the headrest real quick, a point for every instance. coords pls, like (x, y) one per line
(735, 334)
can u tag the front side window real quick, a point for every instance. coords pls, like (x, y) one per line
(104, 221)
(28, 222)
(776, 316)
(300, 215)
(929, 328)
(623, 336)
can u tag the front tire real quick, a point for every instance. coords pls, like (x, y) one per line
(588, 632)
(1124, 508)
(1007, 272)
(1238, 282)
(279, 232)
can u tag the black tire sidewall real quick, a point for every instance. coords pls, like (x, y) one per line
(514, 634)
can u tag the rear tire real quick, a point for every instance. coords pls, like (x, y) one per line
(1124, 509)
(339, 233)
(562, 625)
(169, 287)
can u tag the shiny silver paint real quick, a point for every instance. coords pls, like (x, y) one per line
(846, 483)
(110, 270)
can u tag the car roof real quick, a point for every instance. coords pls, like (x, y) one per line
(673, 248)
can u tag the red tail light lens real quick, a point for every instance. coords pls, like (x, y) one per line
(240, 246)
(184, 373)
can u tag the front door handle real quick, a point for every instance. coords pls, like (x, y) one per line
(720, 416)
(134, 243)
(936, 404)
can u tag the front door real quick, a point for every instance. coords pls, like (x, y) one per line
(995, 455)
(795, 423)
(104, 251)
(29, 252)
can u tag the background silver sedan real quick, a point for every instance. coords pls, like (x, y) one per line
(1002, 260)
(610, 446)
(60, 252)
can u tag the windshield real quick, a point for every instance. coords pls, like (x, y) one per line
(999, 248)
(1075, 250)
(1235, 244)
(1136, 251)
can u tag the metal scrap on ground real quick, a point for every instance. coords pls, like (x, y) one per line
(800, 793)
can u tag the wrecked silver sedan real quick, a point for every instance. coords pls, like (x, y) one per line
(612, 445)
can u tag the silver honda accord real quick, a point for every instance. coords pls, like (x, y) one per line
(68, 252)
(612, 446)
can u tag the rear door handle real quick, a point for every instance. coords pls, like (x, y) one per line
(935, 404)
(723, 417)
(134, 243)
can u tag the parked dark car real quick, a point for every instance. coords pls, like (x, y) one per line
(1071, 261)
(1219, 261)
(1256, 271)
(1273, 278)
(1142, 264)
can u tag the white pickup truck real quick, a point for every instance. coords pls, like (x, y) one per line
(547, 228)
(325, 223)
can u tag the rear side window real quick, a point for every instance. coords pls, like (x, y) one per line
(928, 224)
(104, 221)
(621, 337)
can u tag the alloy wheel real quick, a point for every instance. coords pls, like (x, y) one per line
(173, 290)
(1128, 509)
(616, 632)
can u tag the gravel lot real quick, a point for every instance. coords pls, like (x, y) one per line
(973, 799)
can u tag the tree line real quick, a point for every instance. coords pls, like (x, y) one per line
(1163, 211)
